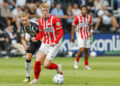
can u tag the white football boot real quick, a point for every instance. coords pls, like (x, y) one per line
(59, 70)
(87, 68)
(34, 81)
(27, 79)
(76, 65)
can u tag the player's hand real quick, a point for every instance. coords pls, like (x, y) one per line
(91, 33)
(53, 44)
(33, 39)
(73, 40)
(26, 47)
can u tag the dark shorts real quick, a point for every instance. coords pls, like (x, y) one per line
(33, 47)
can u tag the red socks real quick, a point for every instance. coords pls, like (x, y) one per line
(77, 59)
(37, 69)
(86, 62)
(52, 66)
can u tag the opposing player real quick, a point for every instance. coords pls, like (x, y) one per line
(82, 22)
(28, 30)
(50, 29)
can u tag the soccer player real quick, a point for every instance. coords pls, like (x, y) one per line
(28, 30)
(82, 22)
(51, 32)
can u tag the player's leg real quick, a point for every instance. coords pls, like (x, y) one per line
(30, 51)
(79, 54)
(81, 43)
(37, 66)
(86, 55)
(114, 22)
(28, 66)
(40, 56)
(48, 64)
(50, 56)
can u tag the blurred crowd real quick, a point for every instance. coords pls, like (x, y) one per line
(10, 10)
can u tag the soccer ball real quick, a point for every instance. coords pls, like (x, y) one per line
(58, 79)
(93, 54)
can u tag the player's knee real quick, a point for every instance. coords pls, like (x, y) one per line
(46, 65)
(28, 57)
(86, 52)
(81, 50)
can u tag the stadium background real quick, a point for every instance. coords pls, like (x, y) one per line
(105, 69)
(105, 40)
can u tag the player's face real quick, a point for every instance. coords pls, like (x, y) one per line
(45, 12)
(25, 21)
(84, 10)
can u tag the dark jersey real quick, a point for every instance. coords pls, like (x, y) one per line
(32, 29)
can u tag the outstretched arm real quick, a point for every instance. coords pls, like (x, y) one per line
(72, 34)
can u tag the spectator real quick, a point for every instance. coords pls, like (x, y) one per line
(82, 3)
(76, 11)
(38, 10)
(11, 4)
(32, 13)
(98, 4)
(49, 2)
(106, 18)
(58, 11)
(12, 40)
(70, 17)
(25, 10)
(1, 3)
(30, 3)
(20, 3)
(52, 6)
(5, 11)
(90, 6)
(118, 3)
(6, 14)
(4, 42)
(16, 13)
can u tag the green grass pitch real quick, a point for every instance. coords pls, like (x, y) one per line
(105, 72)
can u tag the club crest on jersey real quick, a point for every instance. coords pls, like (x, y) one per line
(58, 24)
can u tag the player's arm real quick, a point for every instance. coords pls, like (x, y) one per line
(39, 35)
(72, 34)
(58, 27)
(75, 22)
(91, 27)
(24, 42)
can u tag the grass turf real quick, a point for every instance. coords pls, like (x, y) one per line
(105, 72)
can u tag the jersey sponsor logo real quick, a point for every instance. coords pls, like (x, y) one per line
(58, 23)
(48, 29)
(83, 24)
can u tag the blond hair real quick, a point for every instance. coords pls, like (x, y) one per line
(24, 15)
(44, 5)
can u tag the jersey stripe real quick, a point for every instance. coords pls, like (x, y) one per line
(50, 29)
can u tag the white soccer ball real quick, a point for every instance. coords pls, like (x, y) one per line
(93, 54)
(58, 79)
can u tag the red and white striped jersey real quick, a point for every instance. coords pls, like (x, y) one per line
(82, 24)
(50, 30)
